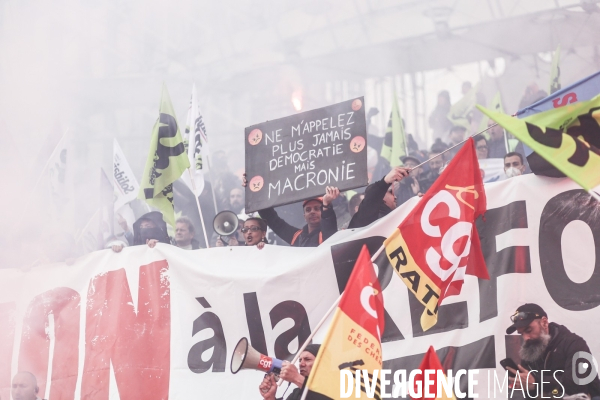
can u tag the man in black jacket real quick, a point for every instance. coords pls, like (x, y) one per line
(554, 349)
(290, 373)
(379, 199)
(321, 222)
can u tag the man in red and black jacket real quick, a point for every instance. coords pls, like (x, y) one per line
(321, 222)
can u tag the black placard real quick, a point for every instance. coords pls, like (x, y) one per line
(296, 157)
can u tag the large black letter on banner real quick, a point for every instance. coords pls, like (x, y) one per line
(475, 355)
(301, 329)
(561, 210)
(515, 259)
(208, 320)
(344, 257)
(255, 327)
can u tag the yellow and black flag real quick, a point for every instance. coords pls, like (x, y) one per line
(166, 161)
(353, 342)
(394, 142)
(573, 152)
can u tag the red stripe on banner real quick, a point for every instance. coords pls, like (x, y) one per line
(34, 354)
(7, 334)
(136, 344)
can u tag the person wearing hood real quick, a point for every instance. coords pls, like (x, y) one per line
(379, 199)
(149, 229)
(554, 349)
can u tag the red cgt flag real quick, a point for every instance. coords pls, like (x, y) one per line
(437, 244)
(353, 341)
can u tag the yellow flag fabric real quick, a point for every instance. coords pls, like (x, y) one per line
(555, 72)
(353, 341)
(394, 143)
(460, 111)
(166, 161)
(564, 117)
(566, 152)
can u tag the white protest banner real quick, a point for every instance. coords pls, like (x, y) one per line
(162, 323)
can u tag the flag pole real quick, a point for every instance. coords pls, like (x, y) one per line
(458, 144)
(199, 209)
(594, 195)
(327, 314)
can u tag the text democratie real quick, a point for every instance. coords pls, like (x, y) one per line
(432, 383)
(299, 155)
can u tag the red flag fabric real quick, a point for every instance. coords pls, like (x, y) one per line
(437, 244)
(430, 362)
(353, 341)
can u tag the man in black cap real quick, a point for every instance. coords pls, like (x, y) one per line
(290, 373)
(554, 349)
(409, 187)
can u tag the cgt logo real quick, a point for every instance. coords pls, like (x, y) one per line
(265, 362)
(584, 364)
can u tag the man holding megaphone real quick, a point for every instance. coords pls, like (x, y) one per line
(291, 374)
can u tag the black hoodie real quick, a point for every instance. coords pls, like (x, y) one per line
(159, 233)
(559, 356)
(372, 207)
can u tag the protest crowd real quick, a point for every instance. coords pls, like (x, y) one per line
(209, 210)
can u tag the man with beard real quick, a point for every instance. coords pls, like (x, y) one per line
(290, 373)
(552, 348)
(236, 200)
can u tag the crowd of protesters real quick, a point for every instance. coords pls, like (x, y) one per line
(313, 221)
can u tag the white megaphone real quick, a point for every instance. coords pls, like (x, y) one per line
(225, 223)
(245, 357)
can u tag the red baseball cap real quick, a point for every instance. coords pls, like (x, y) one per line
(319, 199)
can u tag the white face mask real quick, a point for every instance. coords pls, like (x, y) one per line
(512, 172)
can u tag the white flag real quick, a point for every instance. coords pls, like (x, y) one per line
(124, 182)
(196, 142)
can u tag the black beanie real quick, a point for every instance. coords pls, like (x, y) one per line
(313, 349)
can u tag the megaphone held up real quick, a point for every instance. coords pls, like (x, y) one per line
(245, 357)
(225, 223)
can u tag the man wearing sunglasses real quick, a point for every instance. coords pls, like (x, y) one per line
(552, 348)
(321, 222)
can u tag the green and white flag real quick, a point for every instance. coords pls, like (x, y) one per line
(166, 161)
(394, 142)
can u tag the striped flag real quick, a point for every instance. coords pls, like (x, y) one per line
(437, 244)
